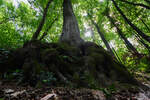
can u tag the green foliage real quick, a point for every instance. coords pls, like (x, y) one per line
(109, 90)
(14, 74)
(138, 65)
(1, 2)
(4, 55)
(47, 78)
(44, 77)
(90, 80)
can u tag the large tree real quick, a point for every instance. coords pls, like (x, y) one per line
(71, 32)
(87, 66)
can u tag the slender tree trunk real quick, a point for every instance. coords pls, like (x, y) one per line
(93, 36)
(144, 36)
(128, 44)
(103, 38)
(145, 25)
(36, 34)
(71, 32)
(143, 42)
(116, 55)
(136, 4)
(46, 32)
(148, 1)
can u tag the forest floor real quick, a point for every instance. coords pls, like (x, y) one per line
(11, 91)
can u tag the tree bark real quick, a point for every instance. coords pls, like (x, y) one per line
(127, 43)
(36, 34)
(136, 4)
(70, 33)
(144, 36)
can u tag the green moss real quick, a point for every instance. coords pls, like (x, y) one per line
(89, 61)
(39, 84)
(90, 80)
(76, 78)
(65, 48)
(32, 68)
(97, 50)
(38, 68)
(120, 69)
(125, 76)
(98, 58)
(50, 56)
(93, 67)
(49, 51)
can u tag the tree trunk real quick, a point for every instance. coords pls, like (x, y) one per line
(143, 42)
(145, 25)
(128, 44)
(144, 36)
(136, 4)
(147, 1)
(36, 34)
(71, 32)
(116, 55)
(103, 38)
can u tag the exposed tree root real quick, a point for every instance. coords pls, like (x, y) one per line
(86, 66)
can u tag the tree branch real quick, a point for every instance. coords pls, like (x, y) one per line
(36, 34)
(49, 27)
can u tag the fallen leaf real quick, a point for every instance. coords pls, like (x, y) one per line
(53, 95)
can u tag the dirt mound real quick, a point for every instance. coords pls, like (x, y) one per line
(61, 64)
